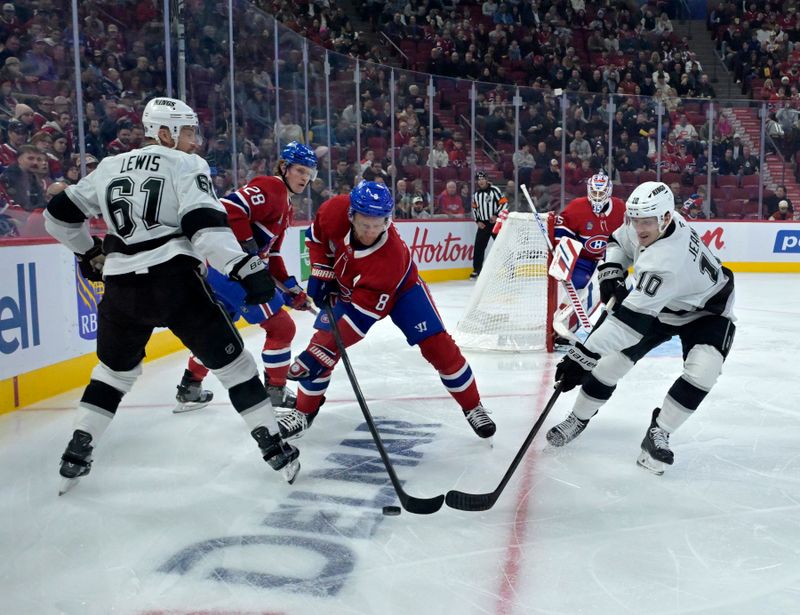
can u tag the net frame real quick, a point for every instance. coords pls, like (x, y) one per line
(512, 305)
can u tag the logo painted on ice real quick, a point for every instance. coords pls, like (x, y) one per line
(596, 244)
(88, 295)
(313, 524)
(787, 241)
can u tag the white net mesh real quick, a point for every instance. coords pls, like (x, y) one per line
(508, 309)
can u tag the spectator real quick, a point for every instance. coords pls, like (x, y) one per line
(21, 182)
(728, 165)
(376, 173)
(552, 174)
(449, 201)
(418, 208)
(580, 147)
(122, 143)
(542, 199)
(438, 158)
(684, 130)
(749, 162)
(524, 162)
(343, 175)
(784, 211)
(457, 155)
(772, 201)
(17, 136)
(287, 131)
(37, 64)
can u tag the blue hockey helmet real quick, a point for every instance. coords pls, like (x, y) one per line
(297, 153)
(371, 199)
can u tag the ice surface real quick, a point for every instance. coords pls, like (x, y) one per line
(180, 514)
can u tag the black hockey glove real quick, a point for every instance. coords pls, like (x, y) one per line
(91, 262)
(575, 368)
(253, 275)
(612, 282)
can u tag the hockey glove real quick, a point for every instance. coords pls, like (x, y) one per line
(612, 282)
(91, 262)
(253, 275)
(294, 296)
(575, 368)
(312, 362)
(321, 284)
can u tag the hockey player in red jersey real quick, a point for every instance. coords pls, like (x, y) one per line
(259, 214)
(590, 220)
(357, 254)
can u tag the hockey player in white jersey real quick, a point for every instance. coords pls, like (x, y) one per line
(164, 222)
(680, 288)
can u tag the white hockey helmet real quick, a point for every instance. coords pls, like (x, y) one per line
(651, 200)
(598, 189)
(171, 113)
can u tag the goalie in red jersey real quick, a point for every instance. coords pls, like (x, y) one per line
(357, 255)
(590, 220)
(259, 214)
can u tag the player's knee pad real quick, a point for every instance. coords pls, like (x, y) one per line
(240, 370)
(121, 381)
(702, 366)
(442, 352)
(280, 330)
(248, 394)
(611, 368)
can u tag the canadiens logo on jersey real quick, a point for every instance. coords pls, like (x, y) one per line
(596, 244)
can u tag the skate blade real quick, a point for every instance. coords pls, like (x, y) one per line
(189, 406)
(651, 465)
(291, 470)
(67, 484)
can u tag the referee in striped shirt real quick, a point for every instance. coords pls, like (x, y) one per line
(487, 202)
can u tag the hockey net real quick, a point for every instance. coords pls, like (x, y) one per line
(512, 304)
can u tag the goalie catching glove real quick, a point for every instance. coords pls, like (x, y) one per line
(91, 262)
(575, 368)
(253, 275)
(612, 283)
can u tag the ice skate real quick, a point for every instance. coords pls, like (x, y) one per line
(191, 395)
(277, 453)
(656, 454)
(281, 397)
(566, 431)
(480, 422)
(76, 460)
(295, 423)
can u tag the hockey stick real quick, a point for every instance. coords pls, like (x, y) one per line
(572, 294)
(484, 501)
(419, 506)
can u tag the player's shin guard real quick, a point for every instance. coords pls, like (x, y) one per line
(442, 352)
(276, 354)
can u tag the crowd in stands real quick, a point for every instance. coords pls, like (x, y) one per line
(760, 44)
(591, 51)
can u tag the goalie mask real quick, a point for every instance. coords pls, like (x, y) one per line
(172, 114)
(598, 189)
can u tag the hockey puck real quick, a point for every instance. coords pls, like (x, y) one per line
(391, 511)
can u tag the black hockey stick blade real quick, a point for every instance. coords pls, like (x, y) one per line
(476, 502)
(419, 506)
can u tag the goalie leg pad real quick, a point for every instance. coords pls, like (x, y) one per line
(442, 352)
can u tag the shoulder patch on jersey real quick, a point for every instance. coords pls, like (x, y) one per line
(204, 183)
